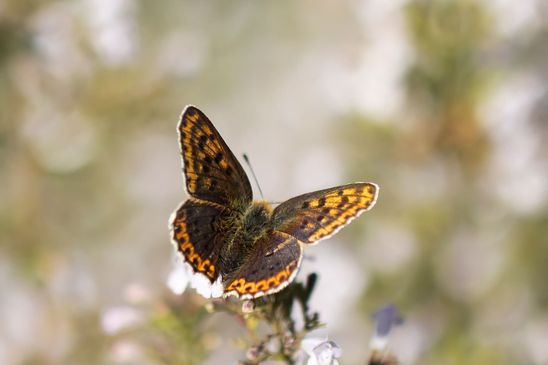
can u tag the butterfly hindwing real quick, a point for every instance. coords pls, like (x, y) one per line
(318, 215)
(196, 235)
(212, 173)
(271, 266)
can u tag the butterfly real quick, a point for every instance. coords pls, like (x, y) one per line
(241, 247)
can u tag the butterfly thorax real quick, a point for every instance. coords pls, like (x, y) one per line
(251, 224)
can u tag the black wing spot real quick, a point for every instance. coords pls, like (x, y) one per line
(326, 211)
(321, 202)
(202, 141)
(218, 157)
(320, 218)
(306, 205)
(212, 185)
(207, 160)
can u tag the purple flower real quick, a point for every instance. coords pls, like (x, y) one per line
(386, 318)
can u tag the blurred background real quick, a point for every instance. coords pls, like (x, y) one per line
(444, 104)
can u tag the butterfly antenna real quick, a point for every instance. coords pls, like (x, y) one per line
(253, 173)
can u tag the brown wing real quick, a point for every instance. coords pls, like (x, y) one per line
(318, 215)
(212, 173)
(196, 235)
(271, 266)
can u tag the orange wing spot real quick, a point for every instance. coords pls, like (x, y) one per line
(211, 271)
(236, 284)
(262, 285)
(314, 203)
(282, 276)
(349, 191)
(273, 281)
(206, 129)
(192, 118)
(249, 287)
(207, 268)
(182, 236)
(187, 246)
(352, 199)
(223, 164)
(194, 258)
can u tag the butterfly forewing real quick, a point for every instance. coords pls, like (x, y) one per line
(212, 173)
(314, 216)
(265, 271)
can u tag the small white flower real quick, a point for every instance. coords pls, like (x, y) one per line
(205, 288)
(320, 351)
(248, 306)
(136, 293)
(116, 319)
(182, 276)
(179, 278)
(126, 352)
